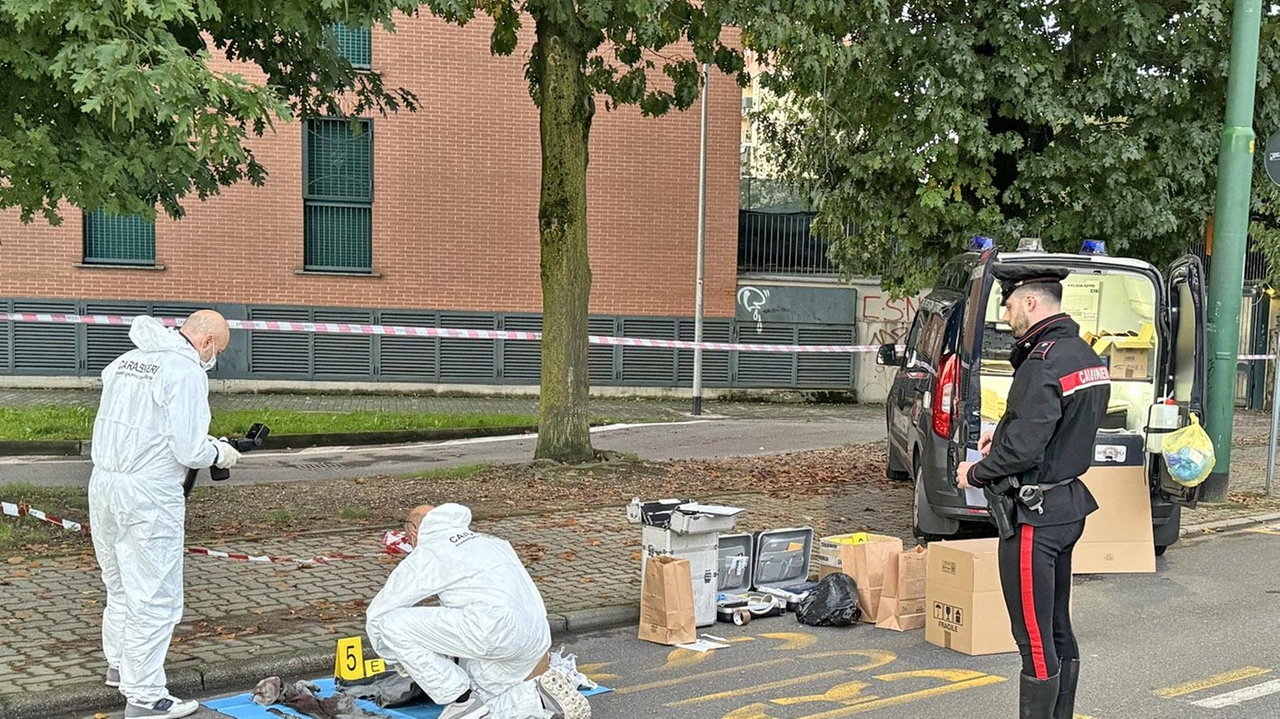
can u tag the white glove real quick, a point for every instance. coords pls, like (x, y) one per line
(227, 455)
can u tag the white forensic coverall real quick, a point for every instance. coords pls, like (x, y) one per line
(152, 424)
(491, 617)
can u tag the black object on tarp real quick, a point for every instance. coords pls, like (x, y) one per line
(387, 689)
(833, 603)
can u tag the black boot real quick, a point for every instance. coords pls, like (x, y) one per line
(1037, 697)
(1068, 678)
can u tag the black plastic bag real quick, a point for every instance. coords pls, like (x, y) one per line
(833, 603)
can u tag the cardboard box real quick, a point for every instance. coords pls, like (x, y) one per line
(964, 604)
(1118, 538)
(865, 557)
(1128, 356)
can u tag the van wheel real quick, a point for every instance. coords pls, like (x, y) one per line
(1160, 550)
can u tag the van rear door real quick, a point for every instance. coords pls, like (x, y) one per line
(1184, 360)
(966, 421)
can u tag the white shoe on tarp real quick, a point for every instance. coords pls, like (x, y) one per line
(170, 707)
(470, 709)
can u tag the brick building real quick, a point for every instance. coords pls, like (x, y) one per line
(423, 219)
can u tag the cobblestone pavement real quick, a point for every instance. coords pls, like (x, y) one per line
(237, 611)
(620, 409)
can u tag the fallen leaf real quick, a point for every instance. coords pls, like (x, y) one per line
(635, 556)
(569, 556)
(594, 542)
(20, 573)
(17, 560)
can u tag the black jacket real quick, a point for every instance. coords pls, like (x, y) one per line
(1057, 402)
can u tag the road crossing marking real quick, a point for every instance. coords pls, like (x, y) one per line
(704, 675)
(1216, 680)
(746, 691)
(1239, 696)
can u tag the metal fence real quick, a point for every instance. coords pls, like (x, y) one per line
(83, 350)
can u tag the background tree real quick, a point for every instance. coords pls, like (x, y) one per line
(917, 126)
(112, 103)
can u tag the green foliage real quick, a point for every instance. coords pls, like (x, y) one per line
(115, 103)
(914, 127)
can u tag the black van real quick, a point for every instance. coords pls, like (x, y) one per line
(1153, 325)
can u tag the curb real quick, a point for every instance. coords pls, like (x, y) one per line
(82, 447)
(1234, 523)
(242, 675)
(48, 448)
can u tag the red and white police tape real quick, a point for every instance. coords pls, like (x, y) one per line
(392, 541)
(343, 328)
(24, 510)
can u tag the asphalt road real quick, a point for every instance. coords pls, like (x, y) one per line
(1196, 639)
(704, 439)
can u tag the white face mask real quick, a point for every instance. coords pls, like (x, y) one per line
(207, 364)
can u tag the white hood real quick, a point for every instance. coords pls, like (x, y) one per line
(151, 335)
(444, 519)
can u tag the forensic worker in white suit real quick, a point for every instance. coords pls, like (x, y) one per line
(490, 618)
(152, 425)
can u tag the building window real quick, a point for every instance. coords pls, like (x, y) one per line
(355, 44)
(119, 240)
(337, 167)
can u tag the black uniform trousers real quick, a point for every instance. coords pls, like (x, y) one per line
(1035, 574)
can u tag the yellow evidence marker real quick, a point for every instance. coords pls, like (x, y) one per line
(349, 663)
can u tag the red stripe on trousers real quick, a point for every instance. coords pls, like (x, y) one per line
(1029, 603)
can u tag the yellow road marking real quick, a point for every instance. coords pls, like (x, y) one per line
(847, 693)
(792, 640)
(906, 698)
(584, 668)
(875, 658)
(685, 658)
(758, 688)
(946, 675)
(1216, 680)
(1272, 532)
(703, 675)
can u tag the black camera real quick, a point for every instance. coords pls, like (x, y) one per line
(253, 439)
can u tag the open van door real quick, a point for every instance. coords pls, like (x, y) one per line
(1184, 360)
(966, 409)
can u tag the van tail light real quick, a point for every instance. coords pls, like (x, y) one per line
(945, 392)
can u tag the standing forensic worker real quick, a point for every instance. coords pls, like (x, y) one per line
(152, 425)
(1045, 440)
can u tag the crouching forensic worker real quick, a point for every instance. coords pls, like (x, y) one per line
(152, 425)
(491, 620)
(1045, 441)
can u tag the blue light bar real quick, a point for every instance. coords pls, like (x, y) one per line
(981, 243)
(1094, 247)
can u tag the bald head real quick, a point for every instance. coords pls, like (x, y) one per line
(208, 333)
(415, 518)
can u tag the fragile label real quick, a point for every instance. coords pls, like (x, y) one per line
(948, 617)
(948, 567)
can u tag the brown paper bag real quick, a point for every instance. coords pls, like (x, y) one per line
(866, 563)
(902, 601)
(666, 602)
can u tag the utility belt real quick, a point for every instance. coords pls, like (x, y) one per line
(1002, 497)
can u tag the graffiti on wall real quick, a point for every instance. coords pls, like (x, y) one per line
(882, 320)
(753, 300)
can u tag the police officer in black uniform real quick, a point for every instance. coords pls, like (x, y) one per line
(1045, 442)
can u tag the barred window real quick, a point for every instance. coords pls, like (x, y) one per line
(338, 195)
(119, 240)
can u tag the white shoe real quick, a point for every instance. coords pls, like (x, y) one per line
(470, 709)
(170, 707)
(561, 697)
(113, 677)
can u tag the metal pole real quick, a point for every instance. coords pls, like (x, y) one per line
(702, 244)
(1275, 420)
(1230, 231)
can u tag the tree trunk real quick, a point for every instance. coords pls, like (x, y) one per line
(566, 112)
